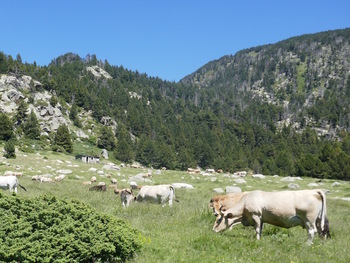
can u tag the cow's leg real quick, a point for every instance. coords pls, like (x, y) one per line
(258, 225)
(311, 230)
(163, 202)
(170, 202)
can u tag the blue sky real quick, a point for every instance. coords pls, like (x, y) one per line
(166, 39)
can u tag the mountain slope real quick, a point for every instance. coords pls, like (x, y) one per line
(308, 76)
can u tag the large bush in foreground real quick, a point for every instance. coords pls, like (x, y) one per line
(48, 229)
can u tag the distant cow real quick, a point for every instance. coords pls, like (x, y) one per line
(101, 188)
(126, 196)
(44, 179)
(157, 193)
(60, 177)
(10, 182)
(305, 208)
(114, 181)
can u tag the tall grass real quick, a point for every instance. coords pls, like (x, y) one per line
(183, 233)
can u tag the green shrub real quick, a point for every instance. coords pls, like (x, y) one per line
(48, 229)
(10, 150)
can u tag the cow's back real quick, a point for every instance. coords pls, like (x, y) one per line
(284, 208)
(155, 193)
(8, 181)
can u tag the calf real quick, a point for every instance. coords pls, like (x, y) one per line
(126, 196)
(10, 182)
(305, 208)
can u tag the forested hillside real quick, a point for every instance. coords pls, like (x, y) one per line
(276, 109)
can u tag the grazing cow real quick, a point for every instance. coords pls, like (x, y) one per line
(305, 208)
(44, 179)
(126, 196)
(36, 177)
(101, 188)
(10, 182)
(87, 183)
(156, 193)
(60, 177)
(17, 174)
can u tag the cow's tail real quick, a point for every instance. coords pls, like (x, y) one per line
(324, 224)
(172, 189)
(22, 187)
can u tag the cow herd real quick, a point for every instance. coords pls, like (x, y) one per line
(305, 208)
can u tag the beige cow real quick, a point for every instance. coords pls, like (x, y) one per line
(305, 208)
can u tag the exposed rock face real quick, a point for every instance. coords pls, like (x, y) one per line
(12, 90)
(14, 82)
(98, 72)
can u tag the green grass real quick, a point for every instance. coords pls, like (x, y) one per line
(184, 233)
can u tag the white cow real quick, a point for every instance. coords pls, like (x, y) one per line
(126, 196)
(305, 208)
(10, 182)
(157, 193)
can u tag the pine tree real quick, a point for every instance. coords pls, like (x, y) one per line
(6, 127)
(63, 138)
(3, 64)
(21, 114)
(124, 151)
(32, 127)
(106, 139)
(73, 115)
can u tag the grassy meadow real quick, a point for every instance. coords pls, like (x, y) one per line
(184, 233)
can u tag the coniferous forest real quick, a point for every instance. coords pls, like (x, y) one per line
(260, 109)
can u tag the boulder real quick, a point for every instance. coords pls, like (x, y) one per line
(260, 176)
(218, 190)
(240, 181)
(293, 186)
(233, 189)
(104, 154)
(182, 185)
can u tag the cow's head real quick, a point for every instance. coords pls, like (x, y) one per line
(225, 220)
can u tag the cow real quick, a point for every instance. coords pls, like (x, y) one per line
(93, 179)
(114, 181)
(126, 196)
(60, 177)
(10, 182)
(305, 208)
(101, 188)
(157, 193)
(44, 179)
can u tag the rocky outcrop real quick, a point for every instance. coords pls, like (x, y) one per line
(13, 89)
(98, 72)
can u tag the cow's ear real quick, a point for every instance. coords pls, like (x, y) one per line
(229, 215)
